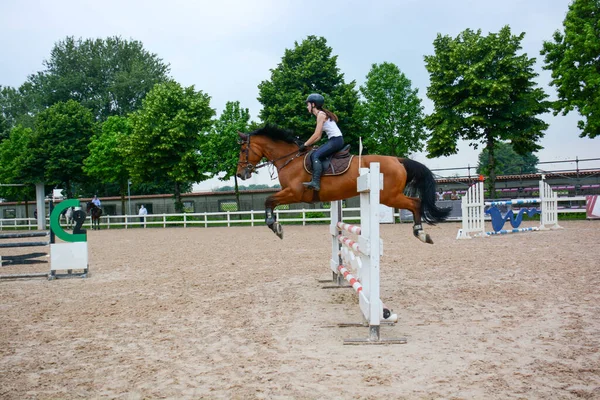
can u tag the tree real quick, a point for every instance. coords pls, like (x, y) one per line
(507, 161)
(309, 68)
(167, 135)
(15, 108)
(59, 145)
(13, 151)
(483, 92)
(222, 149)
(573, 58)
(109, 76)
(393, 112)
(106, 161)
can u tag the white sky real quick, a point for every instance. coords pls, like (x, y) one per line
(226, 48)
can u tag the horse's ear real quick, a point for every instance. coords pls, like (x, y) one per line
(242, 136)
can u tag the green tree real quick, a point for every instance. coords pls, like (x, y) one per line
(168, 133)
(573, 57)
(483, 92)
(15, 105)
(309, 68)
(109, 76)
(393, 112)
(508, 162)
(13, 152)
(222, 149)
(59, 145)
(106, 161)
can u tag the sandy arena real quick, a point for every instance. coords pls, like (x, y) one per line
(237, 313)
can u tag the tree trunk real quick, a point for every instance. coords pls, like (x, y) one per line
(492, 167)
(237, 193)
(178, 203)
(69, 194)
(123, 190)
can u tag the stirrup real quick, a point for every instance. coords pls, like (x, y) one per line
(312, 185)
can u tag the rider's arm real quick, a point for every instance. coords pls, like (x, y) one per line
(321, 117)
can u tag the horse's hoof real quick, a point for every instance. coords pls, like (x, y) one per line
(424, 237)
(278, 230)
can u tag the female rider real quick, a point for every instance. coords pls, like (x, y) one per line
(326, 121)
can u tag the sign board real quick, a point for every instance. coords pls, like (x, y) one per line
(592, 207)
(386, 214)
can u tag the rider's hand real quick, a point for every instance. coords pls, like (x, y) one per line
(302, 147)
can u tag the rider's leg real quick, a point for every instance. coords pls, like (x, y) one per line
(333, 145)
(317, 170)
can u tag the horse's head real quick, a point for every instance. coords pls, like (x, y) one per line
(250, 156)
(89, 205)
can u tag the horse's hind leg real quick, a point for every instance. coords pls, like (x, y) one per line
(412, 204)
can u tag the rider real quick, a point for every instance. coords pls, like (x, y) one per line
(326, 121)
(96, 201)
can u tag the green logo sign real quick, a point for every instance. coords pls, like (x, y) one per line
(78, 235)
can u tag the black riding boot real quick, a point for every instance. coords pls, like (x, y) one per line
(316, 176)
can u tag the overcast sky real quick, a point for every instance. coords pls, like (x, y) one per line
(227, 47)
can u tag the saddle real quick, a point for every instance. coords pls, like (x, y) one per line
(336, 164)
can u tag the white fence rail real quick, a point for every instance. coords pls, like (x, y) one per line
(229, 218)
(206, 219)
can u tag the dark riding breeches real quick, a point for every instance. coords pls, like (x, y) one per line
(333, 145)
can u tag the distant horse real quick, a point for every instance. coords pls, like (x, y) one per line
(281, 149)
(69, 217)
(96, 213)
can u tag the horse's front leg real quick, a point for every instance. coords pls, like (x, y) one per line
(285, 196)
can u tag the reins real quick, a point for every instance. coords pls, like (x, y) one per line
(293, 155)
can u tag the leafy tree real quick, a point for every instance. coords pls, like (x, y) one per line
(573, 57)
(59, 145)
(483, 92)
(109, 76)
(14, 109)
(508, 162)
(393, 112)
(106, 161)
(13, 151)
(168, 133)
(222, 149)
(309, 68)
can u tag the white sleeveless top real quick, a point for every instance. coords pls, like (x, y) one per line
(331, 128)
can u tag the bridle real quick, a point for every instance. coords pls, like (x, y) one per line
(249, 167)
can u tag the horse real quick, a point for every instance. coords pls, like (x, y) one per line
(282, 150)
(69, 217)
(96, 213)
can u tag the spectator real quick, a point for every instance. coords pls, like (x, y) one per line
(440, 195)
(35, 213)
(142, 213)
(454, 196)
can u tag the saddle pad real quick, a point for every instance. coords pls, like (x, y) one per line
(337, 166)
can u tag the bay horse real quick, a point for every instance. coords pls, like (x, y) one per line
(96, 213)
(281, 149)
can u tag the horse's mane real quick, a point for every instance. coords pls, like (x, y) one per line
(275, 133)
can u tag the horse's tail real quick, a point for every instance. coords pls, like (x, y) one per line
(420, 178)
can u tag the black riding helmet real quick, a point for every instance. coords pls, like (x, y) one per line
(317, 99)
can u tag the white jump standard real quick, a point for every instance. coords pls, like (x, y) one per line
(473, 212)
(362, 256)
